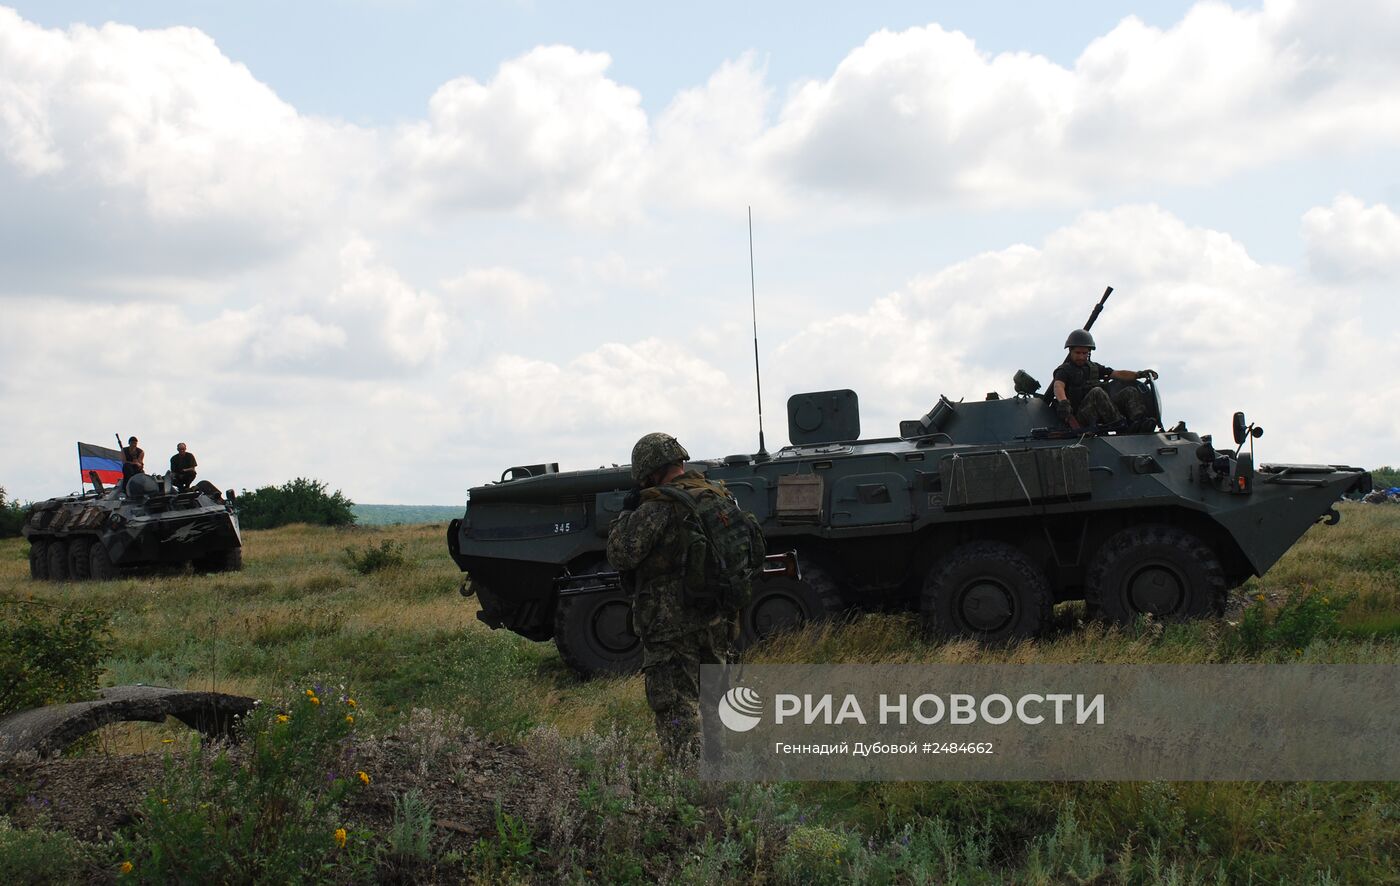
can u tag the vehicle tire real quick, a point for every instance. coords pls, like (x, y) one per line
(100, 567)
(781, 604)
(79, 549)
(230, 560)
(58, 560)
(594, 634)
(39, 560)
(1161, 571)
(988, 590)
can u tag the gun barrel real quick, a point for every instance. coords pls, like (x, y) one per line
(1098, 308)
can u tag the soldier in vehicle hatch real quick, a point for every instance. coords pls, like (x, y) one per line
(1081, 400)
(133, 459)
(182, 467)
(649, 539)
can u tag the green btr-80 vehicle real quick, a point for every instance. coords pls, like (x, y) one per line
(145, 522)
(982, 515)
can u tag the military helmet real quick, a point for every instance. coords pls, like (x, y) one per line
(1080, 338)
(655, 451)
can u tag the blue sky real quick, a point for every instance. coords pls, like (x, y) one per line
(399, 246)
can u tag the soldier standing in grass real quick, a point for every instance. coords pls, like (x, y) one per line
(655, 542)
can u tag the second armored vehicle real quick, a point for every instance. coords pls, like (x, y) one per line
(982, 515)
(144, 522)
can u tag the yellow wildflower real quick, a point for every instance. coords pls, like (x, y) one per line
(1325, 601)
(1259, 598)
(127, 867)
(311, 693)
(351, 702)
(349, 719)
(315, 700)
(340, 837)
(282, 718)
(364, 777)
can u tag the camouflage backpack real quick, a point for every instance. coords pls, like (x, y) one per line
(725, 547)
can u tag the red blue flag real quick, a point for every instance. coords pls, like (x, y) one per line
(106, 462)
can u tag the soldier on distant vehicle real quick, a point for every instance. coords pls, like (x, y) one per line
(1081, 400)
(133, 459)
(182, 467)
(651, 542)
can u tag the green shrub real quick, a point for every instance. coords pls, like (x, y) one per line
(269, 814)
(1304, 617)
(388, 554)
(509, 855)
(40, 856)
(49, 654)
(12, 515)
(299, 501)
(411, 834)
(1385, 477)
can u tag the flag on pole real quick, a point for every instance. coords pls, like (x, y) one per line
(106, 462)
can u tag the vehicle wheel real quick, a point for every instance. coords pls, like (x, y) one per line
(78, 551)
(593, 633)
(1161, 571)
(58, 560)
(988, 590)
(100, 566)
(39, 560)
(781, 604)
(230, 560)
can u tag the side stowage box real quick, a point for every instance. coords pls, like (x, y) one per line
(1017, 476)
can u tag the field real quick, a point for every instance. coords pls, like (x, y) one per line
(491, 761)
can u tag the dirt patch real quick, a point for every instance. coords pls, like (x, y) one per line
(462, 777)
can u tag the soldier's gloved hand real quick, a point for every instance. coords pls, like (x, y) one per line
(1148, 373)
(1063, 411)
(632, 501)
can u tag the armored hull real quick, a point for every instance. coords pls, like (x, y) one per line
(981, 515)
(144, 522)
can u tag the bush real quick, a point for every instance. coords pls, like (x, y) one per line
(1385, 477)
(270, 816)
(300, 501)
(49, 654)
(40, 856)
(12, 515)
(387, 555)
(1303, 617)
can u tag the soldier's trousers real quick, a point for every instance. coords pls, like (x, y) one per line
(671, 667)
(1098, 408)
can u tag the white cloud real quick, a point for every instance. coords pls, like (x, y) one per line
(1350, 241)
(549, 133)
(507, 287)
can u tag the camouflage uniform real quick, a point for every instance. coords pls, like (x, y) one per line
(650, 542)
(1090, 401)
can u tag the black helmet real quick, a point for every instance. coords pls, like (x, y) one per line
(1080, 338)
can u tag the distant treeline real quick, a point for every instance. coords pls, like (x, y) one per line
(1385, 477)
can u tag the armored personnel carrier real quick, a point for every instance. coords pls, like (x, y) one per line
(143, 522)
(982, 515)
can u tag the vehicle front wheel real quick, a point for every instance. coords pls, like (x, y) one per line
(1162, 571)
(100, 566)
(988, 590)
(782, 604)
(594, 634)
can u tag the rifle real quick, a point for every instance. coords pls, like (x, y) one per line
(774, 565)
(1097, 309)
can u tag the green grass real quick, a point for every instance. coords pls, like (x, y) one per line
(403, 638)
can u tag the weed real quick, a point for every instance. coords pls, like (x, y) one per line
(410, 836)
(1304, 617)
(507, 856)
(387, 555)
(268, 814)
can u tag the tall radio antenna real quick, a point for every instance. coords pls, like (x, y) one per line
(762, 454)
